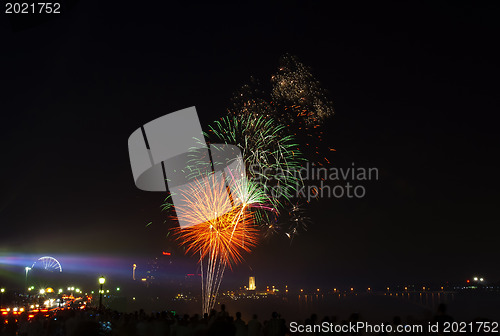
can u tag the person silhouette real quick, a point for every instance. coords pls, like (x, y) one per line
(441, 317)
(254, 326)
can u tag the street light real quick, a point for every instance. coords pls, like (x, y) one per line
(102, 280)
(2, 290)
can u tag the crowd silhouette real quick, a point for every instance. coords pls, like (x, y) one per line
(218, 323)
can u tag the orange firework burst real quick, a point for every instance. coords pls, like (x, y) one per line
(227, 235)
(219, 227)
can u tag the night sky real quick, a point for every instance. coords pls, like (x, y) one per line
(415, 91)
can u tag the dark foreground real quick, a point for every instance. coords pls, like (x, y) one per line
(90, 322)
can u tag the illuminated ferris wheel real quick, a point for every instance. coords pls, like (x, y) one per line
(47, 263)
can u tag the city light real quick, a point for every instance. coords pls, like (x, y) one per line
(42, 291)
(102, 280)
(251, 283)
(2, 290)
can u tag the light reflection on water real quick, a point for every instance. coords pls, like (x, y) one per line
(425, 300)
(419, 305)
(372, 307)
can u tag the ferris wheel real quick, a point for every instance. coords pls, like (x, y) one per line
(47, 263)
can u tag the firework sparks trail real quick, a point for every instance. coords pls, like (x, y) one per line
(270, 157)
(220, 207)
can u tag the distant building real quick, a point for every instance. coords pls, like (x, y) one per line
(251, 283)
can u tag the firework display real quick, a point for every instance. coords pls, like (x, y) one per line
(271, 158)
(219, 207)
(249, 187)
(295, 99)
(295, 86)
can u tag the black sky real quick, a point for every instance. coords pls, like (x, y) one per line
(415, 90)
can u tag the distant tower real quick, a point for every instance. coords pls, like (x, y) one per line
(134, 266)
(251, 283)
